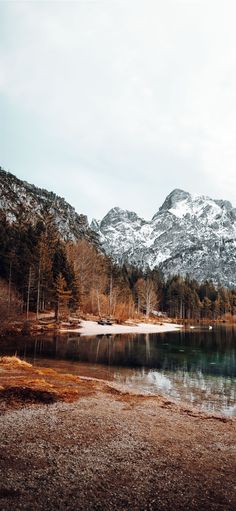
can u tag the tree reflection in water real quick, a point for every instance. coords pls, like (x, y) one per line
(198, 365)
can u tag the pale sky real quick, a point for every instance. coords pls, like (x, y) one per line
(116, 103)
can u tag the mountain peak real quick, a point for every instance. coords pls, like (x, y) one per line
(190, 234)
(116, 215)
(177, 195)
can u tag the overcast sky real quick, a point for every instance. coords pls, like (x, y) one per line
(116, 103)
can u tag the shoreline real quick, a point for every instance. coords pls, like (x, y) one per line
(90, 328)
(44, 385)
(94, 446)
(41, 383)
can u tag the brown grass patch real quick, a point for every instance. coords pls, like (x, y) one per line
(14, 362)
(46, 371)
(21, 383)
(27, 395)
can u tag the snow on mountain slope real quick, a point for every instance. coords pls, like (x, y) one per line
(189, 234)
(21, 200)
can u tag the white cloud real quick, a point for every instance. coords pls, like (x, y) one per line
(140, 95)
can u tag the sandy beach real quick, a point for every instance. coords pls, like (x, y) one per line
(92, 328)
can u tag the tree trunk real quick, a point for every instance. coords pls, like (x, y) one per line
(110, 297)
(38, 293)
(98, 303)
(9, 288)
(28, 294)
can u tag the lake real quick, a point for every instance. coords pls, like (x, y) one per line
(196, 366)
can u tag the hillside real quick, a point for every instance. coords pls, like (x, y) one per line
(21, 201)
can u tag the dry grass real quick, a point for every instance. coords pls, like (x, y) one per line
(18, 395)
(21, 383)
(14, 362)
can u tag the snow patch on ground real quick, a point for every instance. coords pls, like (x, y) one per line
(92, 328)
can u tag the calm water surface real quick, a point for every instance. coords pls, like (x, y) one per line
(197, 366)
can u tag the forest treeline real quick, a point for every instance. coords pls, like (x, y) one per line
(40, 271)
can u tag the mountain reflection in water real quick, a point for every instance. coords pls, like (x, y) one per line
(197, 366)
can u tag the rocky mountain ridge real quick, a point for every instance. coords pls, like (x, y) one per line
(22, 201)
(189, 234)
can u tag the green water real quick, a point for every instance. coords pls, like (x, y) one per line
(197, 366)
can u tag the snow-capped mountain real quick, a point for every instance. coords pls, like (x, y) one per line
(21, 200)
(189, 234)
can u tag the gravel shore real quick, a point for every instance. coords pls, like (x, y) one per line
(109, 451)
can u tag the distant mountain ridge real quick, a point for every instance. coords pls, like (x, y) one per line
(189, 234)
(21, 199)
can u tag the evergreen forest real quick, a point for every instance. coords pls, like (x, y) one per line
(40, 272)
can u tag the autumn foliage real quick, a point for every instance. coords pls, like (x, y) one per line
(40, 272)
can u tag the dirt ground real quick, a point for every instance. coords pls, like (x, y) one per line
(74, 444)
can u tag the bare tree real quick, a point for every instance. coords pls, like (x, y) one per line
(90, 269)
(147, 296)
